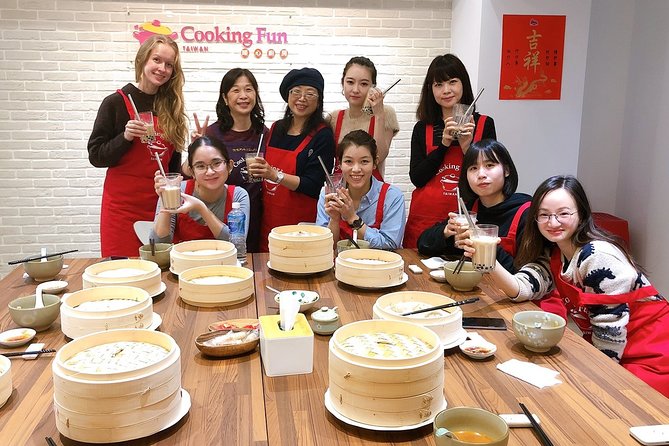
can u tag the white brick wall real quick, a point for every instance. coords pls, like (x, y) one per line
(61, 58)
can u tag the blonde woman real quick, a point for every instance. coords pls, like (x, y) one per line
(128, 146)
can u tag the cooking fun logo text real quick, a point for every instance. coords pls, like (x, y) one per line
(196, 40)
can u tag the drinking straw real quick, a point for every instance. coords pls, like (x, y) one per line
(545, 441)
(439, 307)
(471, 106)
(468, 217)
(160, 166)
(327, 174)
(388, 89)
(30, 259)
(457, 191)
(134, 107)
(259, 145)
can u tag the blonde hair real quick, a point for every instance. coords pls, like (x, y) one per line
(169, 101)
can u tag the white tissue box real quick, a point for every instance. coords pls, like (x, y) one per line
(286, 352)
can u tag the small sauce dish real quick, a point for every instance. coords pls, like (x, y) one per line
(54, 287)
(478, 348)
(17, 337)
(438, 275)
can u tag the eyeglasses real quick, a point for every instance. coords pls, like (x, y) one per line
(308, 95)
(562, 217)
(216, 165)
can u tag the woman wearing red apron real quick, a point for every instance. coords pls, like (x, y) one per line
(358, 85)
(605, 292)
(292, 173)
(127, 146)
(436, 156)
(490, 183)
(207, 200)
(375, 209)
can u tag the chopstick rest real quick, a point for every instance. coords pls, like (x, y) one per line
(533, 374)
(33, 348)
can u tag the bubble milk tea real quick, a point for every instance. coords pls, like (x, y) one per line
(171, 192)
(485, 244)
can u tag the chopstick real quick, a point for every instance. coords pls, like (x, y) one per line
(388, 89)
(439, 307)
(458, 266)
(328, 179)
(36, 352)
(30, 259)
(545, 441)
(353, 242)
(50, 441)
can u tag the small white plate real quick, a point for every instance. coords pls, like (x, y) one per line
(461, 337)
(163, 287)
(156, 320)
(54, 286)
(478, 348)
(438, 275)
(21, 337)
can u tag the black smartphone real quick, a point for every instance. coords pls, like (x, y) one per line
(484, 323)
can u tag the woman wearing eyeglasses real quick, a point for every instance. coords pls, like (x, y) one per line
(292, 172)
(605, 291)
(207, 200)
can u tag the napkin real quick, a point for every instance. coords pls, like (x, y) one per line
(531, 373)
(289, 306)
(433, 262)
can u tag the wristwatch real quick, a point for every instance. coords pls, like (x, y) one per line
(279, 177)
(357, 224)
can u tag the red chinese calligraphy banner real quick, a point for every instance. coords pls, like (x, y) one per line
(532, 56)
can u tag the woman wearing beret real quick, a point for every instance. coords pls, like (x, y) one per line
(291, 169)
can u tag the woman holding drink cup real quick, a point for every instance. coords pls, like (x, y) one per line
(292, 173)
(375, 209)
(241, 126)
(128, 146)
(207, 200)
(606, 293)
(358, 84)
(436, 154)
(489, 190)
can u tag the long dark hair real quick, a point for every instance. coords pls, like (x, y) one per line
(533, 244)
(442, 69)
(495, 152)
(223, 110)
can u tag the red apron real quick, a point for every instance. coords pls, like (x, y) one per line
(128, 194)
(188, 229)
(370, 130)
(432, 202)
(282, 206)
(345, 231)
(647, 351)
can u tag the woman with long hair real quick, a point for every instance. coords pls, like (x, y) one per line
(374, 208)
(606, 293)
(488, 187)
(240, 126)
(436, 153)
(292, 173)
(207, 199)
(128, 147)
(358, 83)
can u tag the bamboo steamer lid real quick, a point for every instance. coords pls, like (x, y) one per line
(212, 252)
(130, 272)
(75, 322)
(350, 270)
(448, 327)
(300, 249)
(117, 406)
(210, 294)
(5, 379)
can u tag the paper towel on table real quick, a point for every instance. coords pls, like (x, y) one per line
(531, 373)
(433, 262)
(289, 306)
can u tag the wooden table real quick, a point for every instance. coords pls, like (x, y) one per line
(234, 403)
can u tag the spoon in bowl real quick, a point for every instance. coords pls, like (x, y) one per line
(39, 302)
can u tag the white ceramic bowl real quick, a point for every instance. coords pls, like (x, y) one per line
(538, 331)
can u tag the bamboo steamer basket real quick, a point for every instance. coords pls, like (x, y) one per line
(117, 406)
(216, 294)
(295, 254)
(362, 275)
(99, 274)
(389, 392)
(76, 323)
(183, 258)
(448, 327)
(5, 379)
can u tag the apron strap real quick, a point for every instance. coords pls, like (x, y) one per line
(480, 124)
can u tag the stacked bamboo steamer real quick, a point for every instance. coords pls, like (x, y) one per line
(100, 406)
(197, 253)
(218, 285)
(369, 268)
(386, 391)
(142, 274)
(5, 379)
(446, 323)
(105, 308)
(300, 249)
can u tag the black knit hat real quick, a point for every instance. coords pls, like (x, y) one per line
(304, 76)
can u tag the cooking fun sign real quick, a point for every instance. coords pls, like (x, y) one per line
(197, 39)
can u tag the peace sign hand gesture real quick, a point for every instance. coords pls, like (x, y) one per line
(199, 130)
